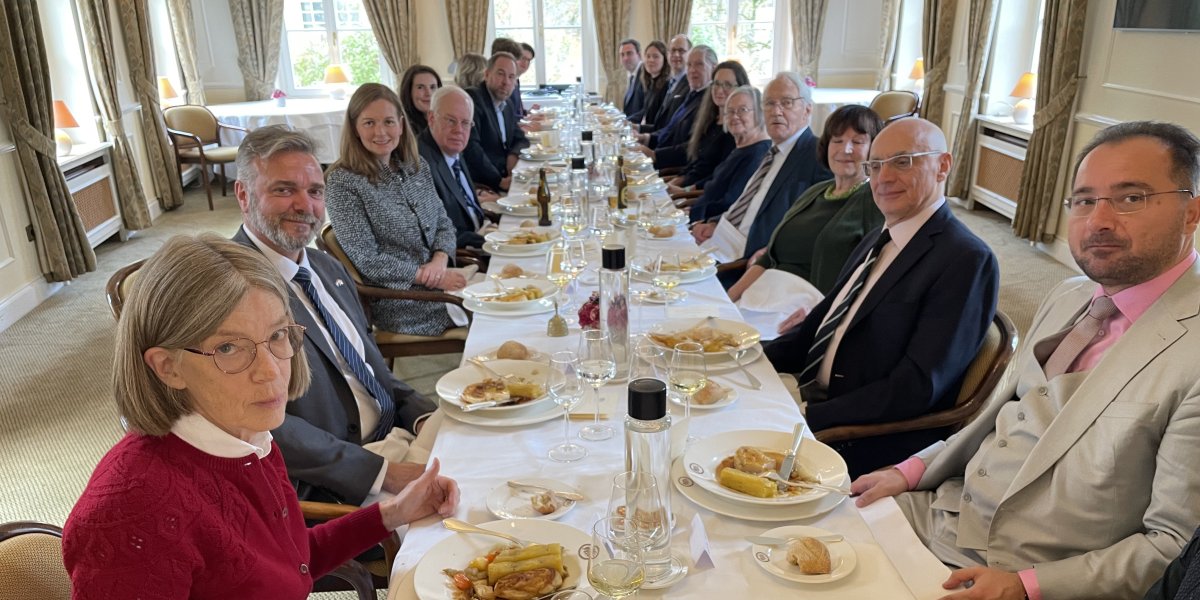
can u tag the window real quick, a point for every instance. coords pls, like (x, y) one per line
(318, 33)
(558, 31)
(741, 30)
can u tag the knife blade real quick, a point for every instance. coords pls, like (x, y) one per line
(763, 540)
(533, 486)
(789, 459)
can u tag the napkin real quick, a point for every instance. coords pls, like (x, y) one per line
(775, 296)
(727, 243)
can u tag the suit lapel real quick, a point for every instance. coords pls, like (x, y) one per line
(489, 111)
(917, 247)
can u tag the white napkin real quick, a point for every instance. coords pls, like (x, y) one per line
(778, 291)
(728, 243)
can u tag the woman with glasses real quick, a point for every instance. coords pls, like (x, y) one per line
(828, 220)
(744, 122)
(194, 502)
(709, 144)
(654, 80)
(384, 207)
(416, 90)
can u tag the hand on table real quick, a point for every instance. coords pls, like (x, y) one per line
(426, 495)
(486, 196)
(986, 584)
(880, 484)
(793, 319)
(702, 231)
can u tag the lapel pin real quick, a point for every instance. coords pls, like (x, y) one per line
(339, 283)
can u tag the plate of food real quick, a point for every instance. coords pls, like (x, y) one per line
(522, 242)
(538, 153)
(514, 350)
(690, 267)
(710, 397)
(535, 307)
(732, 465)
(476, 567)
(717, 336)
(805, 559)
(514, 294)
(522, 385)
(686, 485)
(518, 204)
(530, 502)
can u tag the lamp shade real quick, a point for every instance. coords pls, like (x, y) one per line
(166, 91)
(1026, 86)
(62, 115)
(918, 70)
(336, 74)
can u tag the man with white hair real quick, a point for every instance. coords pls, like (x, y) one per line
(451, 111)
(701, 61)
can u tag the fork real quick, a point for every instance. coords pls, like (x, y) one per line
(464, 527)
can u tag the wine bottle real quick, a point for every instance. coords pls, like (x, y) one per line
(543, 199)
(622, 183)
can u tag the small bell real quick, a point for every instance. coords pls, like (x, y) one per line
(557, 327)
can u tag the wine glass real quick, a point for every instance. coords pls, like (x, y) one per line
(636, 498)
(616, 562)
(566, 389)
(571, 218)
(688, 374)
(597, 365)
(602, 226)
(649, 360)
(665, 276)
(556, 271)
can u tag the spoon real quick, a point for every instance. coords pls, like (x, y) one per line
(773, 476)
(464, 527)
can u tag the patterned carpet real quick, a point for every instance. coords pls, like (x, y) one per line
(57, 416)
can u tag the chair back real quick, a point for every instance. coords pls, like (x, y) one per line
(328, 242)
(194, 119)
(31, 563)
(119, 285)
(895, 104)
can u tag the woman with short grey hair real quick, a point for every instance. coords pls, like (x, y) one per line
(744, 121)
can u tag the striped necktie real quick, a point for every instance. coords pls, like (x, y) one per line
(816, 352)
(1082, 334)
(473, 204)
(351, 356)
(737, 212)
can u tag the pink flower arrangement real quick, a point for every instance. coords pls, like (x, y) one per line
(277, 94)
(809, 82)
(589, 313)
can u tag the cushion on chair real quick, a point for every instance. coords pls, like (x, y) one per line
(219, 154)
(391, 337)
(31, 566)
(982, 364)
(196, 120)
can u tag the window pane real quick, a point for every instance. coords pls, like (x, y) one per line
(360, 53)
(560, 13)
(709, 11)
(304, 15)
(512, 14)
(350, 15)
(712, 35)
(753, 49)
(756, 10)
(529, 80)
(310, 56)
(564, 55)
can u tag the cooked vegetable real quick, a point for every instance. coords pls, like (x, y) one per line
(759, 487)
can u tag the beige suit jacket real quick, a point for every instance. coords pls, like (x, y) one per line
(1111, 492)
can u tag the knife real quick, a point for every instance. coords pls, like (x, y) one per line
(763, 540)
(533, 486)
(789, 459)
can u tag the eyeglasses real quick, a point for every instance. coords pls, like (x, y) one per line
(786, 102)
(1129, 202)
(453, 123)
(742, 110)
(900, 162)
(725, 85)
(236, 355)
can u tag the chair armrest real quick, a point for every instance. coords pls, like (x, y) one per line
(177, 133)
(944, 418)
(221, 125)
(324, 511)
(382, 293)
(464, 257)
(732, 265)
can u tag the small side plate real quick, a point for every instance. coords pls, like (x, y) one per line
(511, 503)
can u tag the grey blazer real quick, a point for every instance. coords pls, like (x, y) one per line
(1108, 496)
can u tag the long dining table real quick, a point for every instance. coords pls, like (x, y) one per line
(892, 563)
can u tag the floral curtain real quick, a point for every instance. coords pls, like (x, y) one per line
(1058, 85)
(395, 25)
(139, 51)
(937, 32)
(25, 105)
(808, 25)
(258, 27)
(612, 26)
(183, 32)
(468, 26)
(889, 35)
(670, 18)
(981, 29)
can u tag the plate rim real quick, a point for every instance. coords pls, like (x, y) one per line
(548, 482)
(519, 420)
(835, 575)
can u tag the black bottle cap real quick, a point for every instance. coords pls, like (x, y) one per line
(586, 135)
(647, 399)
(577, 162)
(612, 257)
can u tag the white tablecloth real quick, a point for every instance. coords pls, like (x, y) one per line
(322, 118)
(481, 459)
(827, 100)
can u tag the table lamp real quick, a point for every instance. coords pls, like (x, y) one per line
(335, 77)
(166, 91)
(917, 75)
(1025, 90)
(63, 119)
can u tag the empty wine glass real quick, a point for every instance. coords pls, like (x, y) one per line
(616, 563)
(688, 374)
(602, 226)
(566, 389)
(649, 360)
(597, 365)
(636, 498)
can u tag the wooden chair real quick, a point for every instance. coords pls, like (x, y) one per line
(31, 564)
(194, 130)
(364, 579)
(392, 344)
(895, 104)
(981, 379)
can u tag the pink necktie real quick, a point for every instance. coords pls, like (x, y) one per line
(1079, 337)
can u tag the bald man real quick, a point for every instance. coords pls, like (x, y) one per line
(912, 304)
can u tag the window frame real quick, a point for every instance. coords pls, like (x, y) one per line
(592, 70)
(781, 45)
(285, 80)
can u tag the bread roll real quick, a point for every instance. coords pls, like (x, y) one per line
(711, 393)
(513, 350)
(810, 555)
(510, 270)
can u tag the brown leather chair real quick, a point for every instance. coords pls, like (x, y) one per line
(895, 104)
(981, 379)
(390, 343)
(194, 130)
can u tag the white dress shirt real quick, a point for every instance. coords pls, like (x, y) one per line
(500, 120)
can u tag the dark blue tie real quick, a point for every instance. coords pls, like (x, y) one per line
(353, 360)
(472, 203)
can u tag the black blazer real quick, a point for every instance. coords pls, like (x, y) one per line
(653, 100)
(450, 191)
(486, 153)
(679, 134)
(800, 170)
(320, 436)
(670, 103)
(715, 146)
(635, 95)
(907, 348)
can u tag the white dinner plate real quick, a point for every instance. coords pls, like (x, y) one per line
(451, 385)
(499, 239)
(479, 292)
(536, 414)
(750, 512)
(688, 278)
(720, 363)
(654, 185)
(507, 502)
(731, 396)
(702, 458)
(536, 307)
(773, 559)
(518, 204)
(744, 334)
(456, 551)
(642, 266)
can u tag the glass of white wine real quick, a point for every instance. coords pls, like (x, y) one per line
(597, 366)
(556, 270)
(688, 374)
(566, 389)
(665, 277)
(571, 218)
(616, 562)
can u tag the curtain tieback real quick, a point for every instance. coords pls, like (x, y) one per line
(40, 142)
(1058, 106)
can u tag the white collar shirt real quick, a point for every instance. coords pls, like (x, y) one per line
(462, 182)
(203, 435)
(500, 120)
(785, 148)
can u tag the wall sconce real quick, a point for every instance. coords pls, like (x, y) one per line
(63, 119)
(1025, 90)
(335, 77)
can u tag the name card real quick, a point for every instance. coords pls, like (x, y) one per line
(699, 545)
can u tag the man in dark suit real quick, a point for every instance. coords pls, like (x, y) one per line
(789, 168)
(908, 313)
(630, 53)
(353, 400)
(496, 140)
(677, 83)
(701, 61)
(441, 145)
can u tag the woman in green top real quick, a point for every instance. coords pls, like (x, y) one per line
(830, 218)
